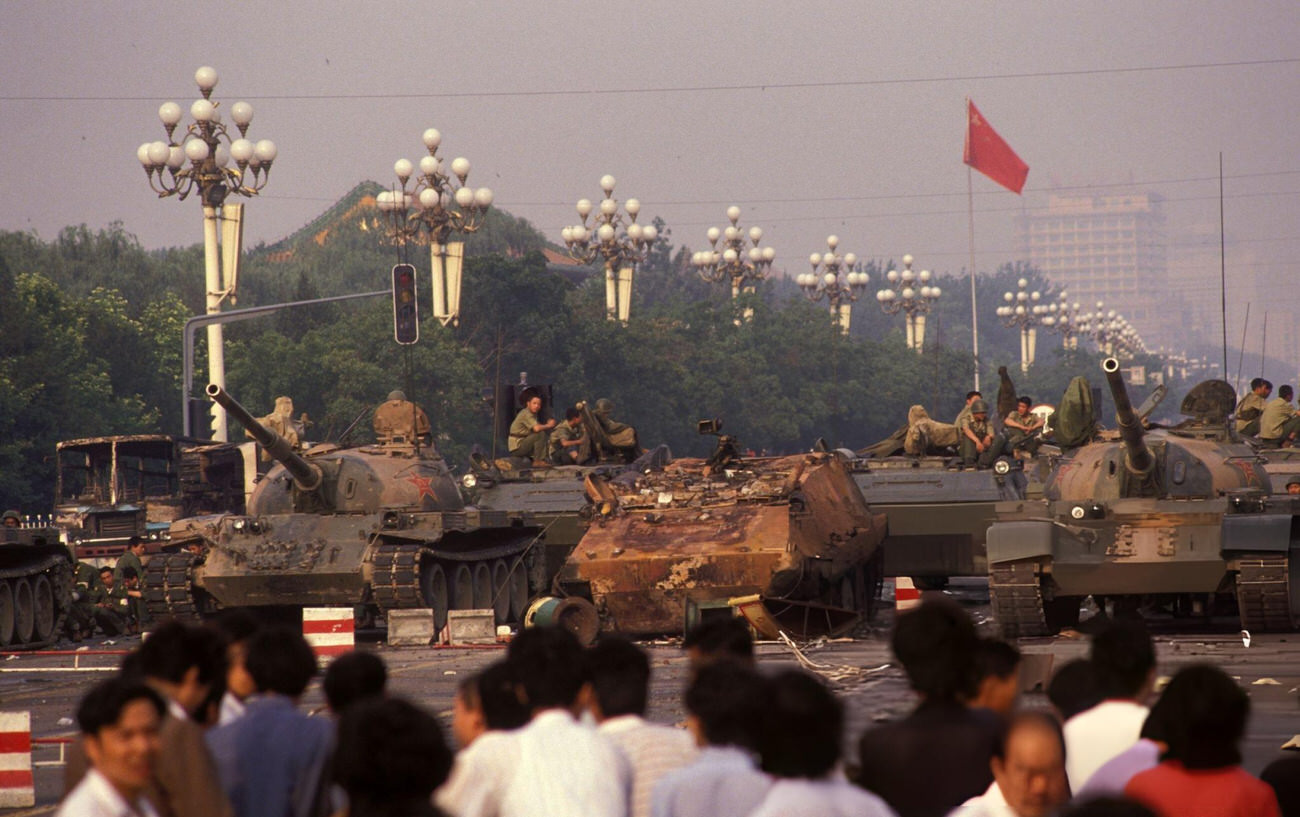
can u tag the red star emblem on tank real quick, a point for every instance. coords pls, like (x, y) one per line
(422, 484)
(1247, 471)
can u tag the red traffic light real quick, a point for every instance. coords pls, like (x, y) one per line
(406, 315)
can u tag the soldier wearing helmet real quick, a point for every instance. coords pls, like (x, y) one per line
(399, 420)
(12, 519)
(616, 439)
(978, 445)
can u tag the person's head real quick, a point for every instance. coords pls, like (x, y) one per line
(719, 638)
(1203, 718)
(547, 667)
(534, 403)
(353, 676)
(971, 396)
(397, 394)
(1073, 688)
(1286, 393)
(136, 545)
(467, 721)
(604, 406)
(1124, 659)
(1029, 765)
(280, 661)
(182, 661)
(1105, 807)
(572, 416)
(11, 519)
(803, 728)
(106, 576)
(119, 720)
(1293, 485)
(997, 668)
(390, 757)
(130, 579)
(1257, 384)
(284, 405)
(619, 674)
(236, 625)
(979, 409)
(725, 704)
(499, 698)
(936, 645)
(1025, 403)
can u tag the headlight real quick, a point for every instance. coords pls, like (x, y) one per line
(238, 525)
(1002, 467)
(469, 481)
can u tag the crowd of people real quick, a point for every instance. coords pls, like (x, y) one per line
(207, 721)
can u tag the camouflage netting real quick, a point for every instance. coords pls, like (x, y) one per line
(1073, 424)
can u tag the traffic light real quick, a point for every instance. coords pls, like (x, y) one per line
(406, 315)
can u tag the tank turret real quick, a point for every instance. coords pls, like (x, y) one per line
(306, 475)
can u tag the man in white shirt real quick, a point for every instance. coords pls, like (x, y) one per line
(1028, 771)
(119, 722)
(564, 768)
(485, 714)
(1124, 661)
(616, 693)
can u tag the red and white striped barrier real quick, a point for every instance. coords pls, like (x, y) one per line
(17, 789)
(906, 596)
(330, 631)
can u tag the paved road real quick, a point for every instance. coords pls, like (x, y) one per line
(873, 689)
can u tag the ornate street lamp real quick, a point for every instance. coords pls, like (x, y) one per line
(1063, 318)
(618, 239)
(912, 293)
(836, 278)
(200, 162)
(742, 267)
(1023, 310)
(435, 207)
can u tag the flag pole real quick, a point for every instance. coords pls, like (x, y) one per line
(974, 313)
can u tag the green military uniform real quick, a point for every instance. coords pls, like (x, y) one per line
(524, 442)
(114, 609)
(1019, 438)
(981, 429)
(139, 613)
(962, 415)
(85, 591)
(1248, 412)
(1277, 422)
(621, 438)
(569, 455)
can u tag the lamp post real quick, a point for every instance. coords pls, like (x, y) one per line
(618, 239)
(432, 210)
(1063, 318)
(734, 263)
(200, 162)
(835, 278)
(1023, 310)
(912, 293)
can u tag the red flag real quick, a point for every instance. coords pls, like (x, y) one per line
(990, 155)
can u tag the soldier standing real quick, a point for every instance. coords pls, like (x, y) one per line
(131, 560)
(400, 420)
(1252, 406)
(528, 434)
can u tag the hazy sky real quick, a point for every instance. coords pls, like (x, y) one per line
(843, 117)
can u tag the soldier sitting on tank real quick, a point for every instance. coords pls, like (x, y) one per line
(927, 436)
(1250, 408)
(528, 433)
(398, 420)
(1278, 422)
(12, 519)
(112, 604)
(281, 422)
(979, 446)
(619, 439)
(1022, 428)
(971, 397)
(569, 443)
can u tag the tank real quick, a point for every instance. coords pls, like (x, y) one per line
(36, 575)
(668, 546)
(1180, 517)
(382, 525)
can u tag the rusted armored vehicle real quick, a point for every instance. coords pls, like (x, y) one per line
(382, 525)
(1177, 516)
(696, 534)
(36, 571)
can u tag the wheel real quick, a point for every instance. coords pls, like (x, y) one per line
(24, 611)
(6, 614)
(43, 606)
(433, 585)
(462, 588)
(500, 591)
(482, 586)
(518, 593)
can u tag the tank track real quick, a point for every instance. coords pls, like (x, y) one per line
(396, 579)
(59, 572)
(1264, 593)
(1016, 596)
(169, 586)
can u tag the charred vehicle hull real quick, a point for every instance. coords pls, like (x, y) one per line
(793, 529)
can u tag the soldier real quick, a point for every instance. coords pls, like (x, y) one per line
(622, 440)
(528, 434)
(85, 594)
(927, 436)
(1252, 406)
(131, 560)
(971, 397)
(978, 445)
(1022, 426)
(1293, 485)
(281, 422)
(12, 519)
(1278, 422)
(400, 420)
(112, 604)
(569, 442)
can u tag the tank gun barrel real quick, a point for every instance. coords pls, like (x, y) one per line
(1140, 459)
(306, 475)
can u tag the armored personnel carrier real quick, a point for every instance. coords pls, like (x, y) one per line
(36, 571)
(1177, 516)
(696, 533)
(383, 525)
